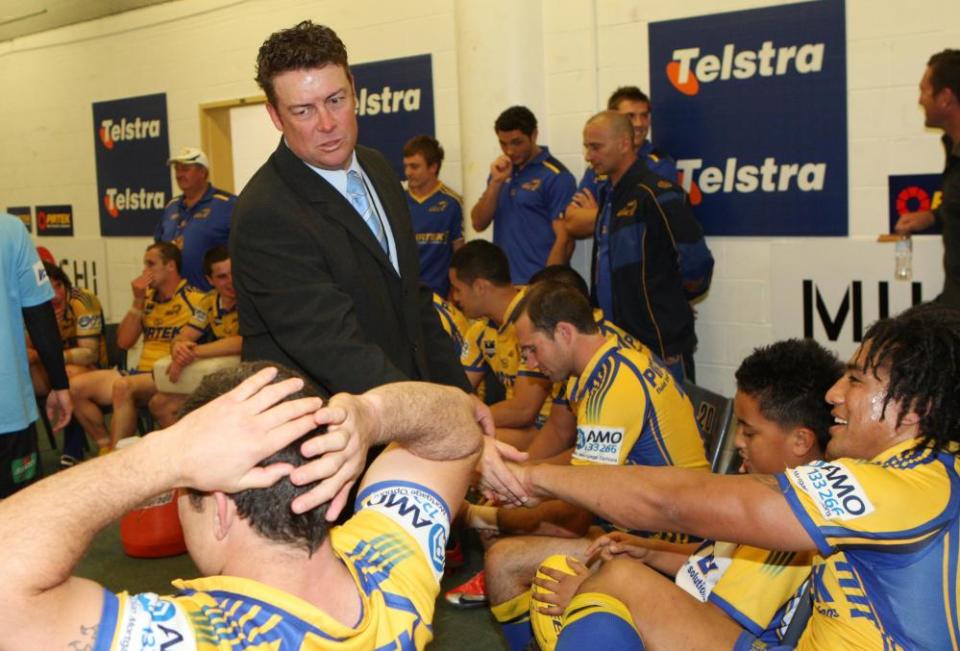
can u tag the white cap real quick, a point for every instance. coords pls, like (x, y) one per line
(190, 156)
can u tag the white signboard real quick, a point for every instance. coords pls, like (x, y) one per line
(84, 260)
(832, 289)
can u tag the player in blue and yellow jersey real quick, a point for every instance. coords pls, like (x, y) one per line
(213, 331)
(81, 324)
(197, 220)
(454, 322)
(163, 303)
(256, 516)
(435, 209)
(480, 277)
(882, 514)
(527, 190)
(628, 410)
(782, 422)
(80, 319)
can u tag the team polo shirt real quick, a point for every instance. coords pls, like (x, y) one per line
(495, 347)
(162, 321)
(437, 224)
(659, 163)
(24, 283)
(393, 547)
(757, 588)
(214, 321)
(197, 229)
(529, 201)
(888, 536)
(83, 317)
(630, 410)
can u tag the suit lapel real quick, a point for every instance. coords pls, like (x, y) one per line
(314, 188)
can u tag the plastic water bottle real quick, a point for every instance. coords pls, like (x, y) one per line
(904, 259)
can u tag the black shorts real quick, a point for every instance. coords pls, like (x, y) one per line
(19, 460)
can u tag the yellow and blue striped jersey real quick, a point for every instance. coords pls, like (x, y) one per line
(630, 410)
(393, 547)
(496, 347)
(757, 588)
(454, 322)
(83, 317)
(213, 320)
(888, 536)
(162, 321)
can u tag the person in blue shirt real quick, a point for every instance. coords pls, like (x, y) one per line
(197, 220)
(26, 298)
(527, 190)
(581, 215)
(436, 211)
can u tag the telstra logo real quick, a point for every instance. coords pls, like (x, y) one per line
(688, 68)
(110, 131)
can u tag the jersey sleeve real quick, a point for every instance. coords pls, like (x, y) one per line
(610, 419)
(456, 221)
(89, 315)
(471, 355)
(560, 189)
(31, 276)
(202, 314)
(693, 255)
(417, 510)
(849, 503)
(142, 621)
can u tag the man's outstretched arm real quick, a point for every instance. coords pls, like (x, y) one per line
(47, 527)
(432, 430)
(746, 509)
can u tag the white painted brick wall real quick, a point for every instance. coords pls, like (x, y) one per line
(203, 50)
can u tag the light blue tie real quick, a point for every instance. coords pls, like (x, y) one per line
(358, 197)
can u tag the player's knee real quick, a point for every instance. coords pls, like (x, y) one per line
(620, 577)
(503, 555)
(122, 390)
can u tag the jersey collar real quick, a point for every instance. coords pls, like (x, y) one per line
(583, 381)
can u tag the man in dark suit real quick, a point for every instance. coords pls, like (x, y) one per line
(327, 267)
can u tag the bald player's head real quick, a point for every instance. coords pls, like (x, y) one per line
(608, 143)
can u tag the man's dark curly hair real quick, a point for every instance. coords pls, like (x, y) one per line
(920, 350)
(268, 509)
(305, 45)
(789, 381)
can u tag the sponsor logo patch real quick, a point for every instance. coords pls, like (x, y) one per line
(599, 444)
(834, 489)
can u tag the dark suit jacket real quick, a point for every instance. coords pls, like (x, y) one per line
(317, 293)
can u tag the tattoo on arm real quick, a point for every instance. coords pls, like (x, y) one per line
(88, 636)
(767, 480)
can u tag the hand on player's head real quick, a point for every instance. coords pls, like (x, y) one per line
(218, 445)
(338, 456)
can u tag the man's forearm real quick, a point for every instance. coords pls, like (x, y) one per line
(47, 527)
(631, 497)
(514, 413)
(552, 518)
(131, 325)
(431, 421)
(82, 355)
(486, 206)
(220, 347)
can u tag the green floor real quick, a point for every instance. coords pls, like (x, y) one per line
(106, 563)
